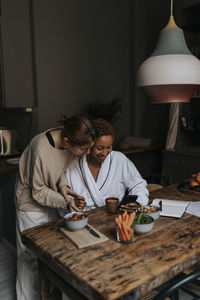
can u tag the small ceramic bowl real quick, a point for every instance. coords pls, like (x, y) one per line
(143, 227)
(76, 224)
(154, 214)
(151, 210)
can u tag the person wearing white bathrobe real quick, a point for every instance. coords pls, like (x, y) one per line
(105, 173)
(116, 174)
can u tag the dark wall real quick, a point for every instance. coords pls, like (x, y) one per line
(82, 56)
(90, 51)
(149, 17)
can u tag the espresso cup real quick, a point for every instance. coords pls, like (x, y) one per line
(112, 204)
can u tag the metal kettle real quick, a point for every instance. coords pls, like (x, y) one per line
(8, 139)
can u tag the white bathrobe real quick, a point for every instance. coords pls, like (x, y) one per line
(116, 174)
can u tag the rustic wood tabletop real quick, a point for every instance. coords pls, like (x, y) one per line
(110, 270)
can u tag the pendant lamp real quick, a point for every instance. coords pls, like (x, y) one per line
(172, 73)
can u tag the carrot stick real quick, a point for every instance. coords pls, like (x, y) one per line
(128, 220)
(131, 219)
(122, 226)
(120, 234)
(120, 218)
(126, 217)
(125, 230)
(120, 231)
(130, 231)
(118, 223)
(133, 214)
(116, 220)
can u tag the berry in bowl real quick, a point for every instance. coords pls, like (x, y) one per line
(75, 220)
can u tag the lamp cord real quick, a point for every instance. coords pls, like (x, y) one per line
(171, 10)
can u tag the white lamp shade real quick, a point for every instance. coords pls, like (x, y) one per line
(171, 73)
(169, 69)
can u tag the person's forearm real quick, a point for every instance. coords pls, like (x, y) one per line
(48, 197)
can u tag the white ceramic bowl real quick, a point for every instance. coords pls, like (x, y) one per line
(144, 228)
(75, 225)
(155, 215)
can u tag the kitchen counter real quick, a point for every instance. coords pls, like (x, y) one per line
(6, 168)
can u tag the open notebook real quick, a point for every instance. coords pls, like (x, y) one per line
(194, 209)
(171, 208)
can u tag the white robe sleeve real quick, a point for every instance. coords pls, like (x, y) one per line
(134, 181)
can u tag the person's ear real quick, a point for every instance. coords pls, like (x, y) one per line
(88, 151)
(66, 141)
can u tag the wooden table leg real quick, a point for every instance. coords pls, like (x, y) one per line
(44, 283)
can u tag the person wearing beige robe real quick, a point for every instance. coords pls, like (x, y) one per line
(47, 156)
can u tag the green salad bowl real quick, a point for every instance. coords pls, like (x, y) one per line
(143, 223)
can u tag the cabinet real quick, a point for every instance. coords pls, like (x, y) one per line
(8, 225)
(148, 161)
(178, 166)
(16, 55)
(8, 175)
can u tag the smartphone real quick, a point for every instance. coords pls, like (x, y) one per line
(128, 199)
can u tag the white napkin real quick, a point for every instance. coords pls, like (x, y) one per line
(194, 209)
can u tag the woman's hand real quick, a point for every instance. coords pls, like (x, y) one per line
(76, 204)
(130, 207)
(80, 202)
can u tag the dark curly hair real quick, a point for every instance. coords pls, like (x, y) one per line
(102, 127)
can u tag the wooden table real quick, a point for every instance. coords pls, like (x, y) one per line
(111, 270)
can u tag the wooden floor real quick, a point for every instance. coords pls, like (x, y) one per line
(7, 273)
